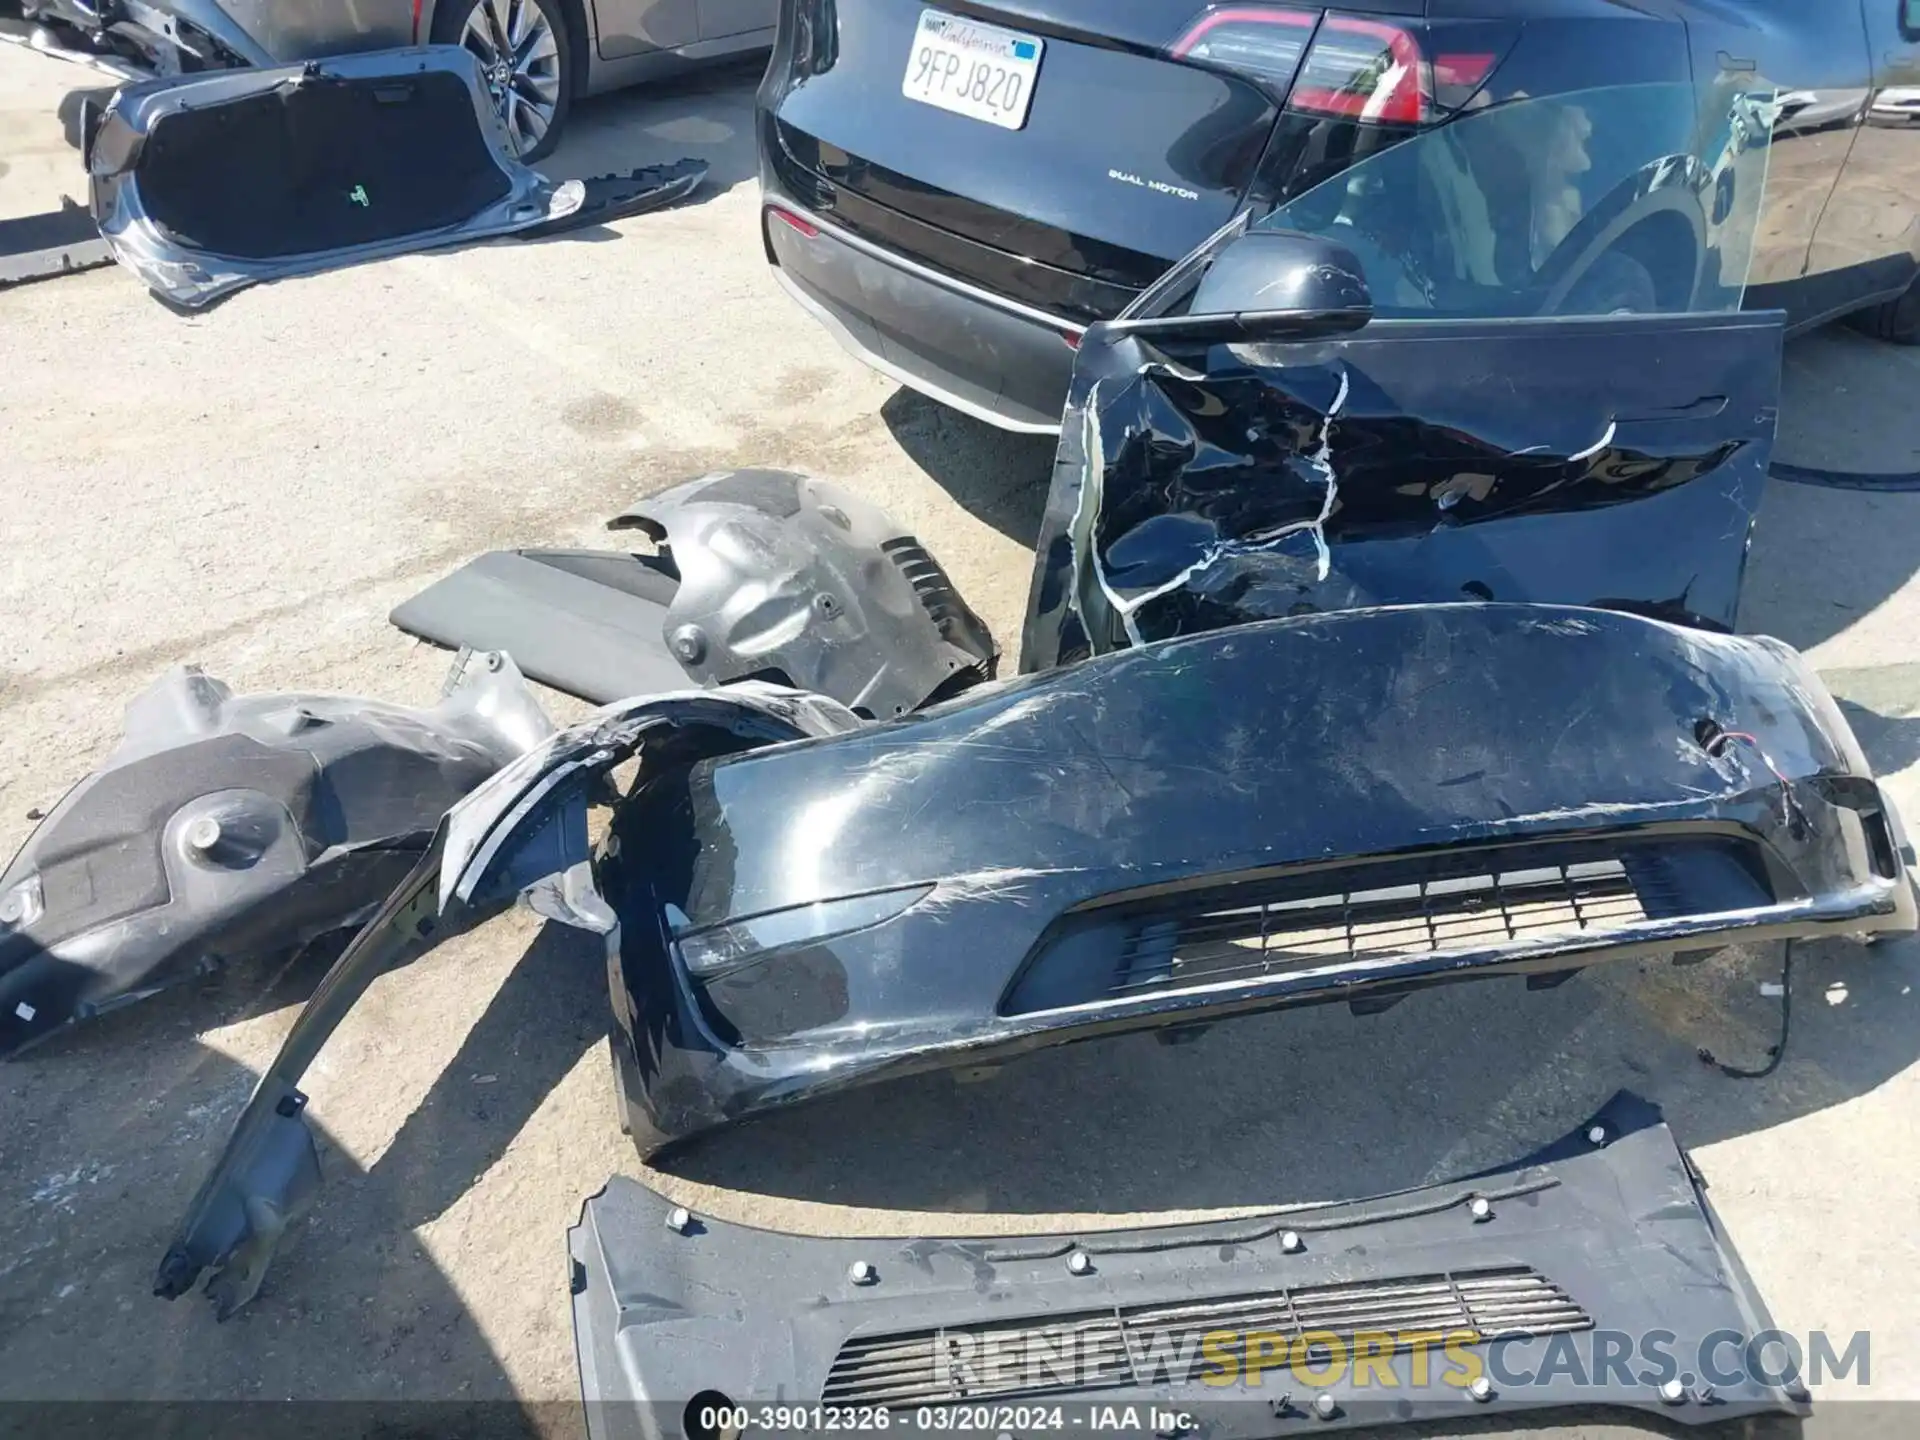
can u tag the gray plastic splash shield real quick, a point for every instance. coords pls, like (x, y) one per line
(311, 167)
(525, 827)
(225, 826)
(759, 574)
(1605, 1234)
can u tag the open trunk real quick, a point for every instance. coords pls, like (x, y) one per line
(208, 183)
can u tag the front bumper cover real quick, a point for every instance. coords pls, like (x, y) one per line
(1086, 815)
(1564, 1265)
(1232, 822)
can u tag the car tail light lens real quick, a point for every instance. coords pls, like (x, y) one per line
(1356, 67)
(1263, 42)
(1364, 70)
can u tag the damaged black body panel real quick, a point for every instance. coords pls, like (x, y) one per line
(1332, 807)
(756, 574)
(206, 183)
(226, 827)
(1569, 461)
(1545, 1264)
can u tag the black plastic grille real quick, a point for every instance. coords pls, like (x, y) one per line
(1463, 913)
(1160, 1344)
(1333, 921)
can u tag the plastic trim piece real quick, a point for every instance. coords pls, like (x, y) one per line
(669, 1305)
(758, 574)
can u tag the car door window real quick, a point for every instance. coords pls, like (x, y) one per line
(1627, 199)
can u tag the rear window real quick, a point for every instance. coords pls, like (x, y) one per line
(1630, 198)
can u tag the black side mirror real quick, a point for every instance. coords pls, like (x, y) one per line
(1910, 19)
(1272, 285)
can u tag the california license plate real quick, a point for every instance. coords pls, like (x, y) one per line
(980, 71)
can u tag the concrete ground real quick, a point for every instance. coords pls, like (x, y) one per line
(252, 489)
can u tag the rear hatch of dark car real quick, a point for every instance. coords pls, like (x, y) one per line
(1123, 136)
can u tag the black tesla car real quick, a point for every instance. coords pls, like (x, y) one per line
(958, 189)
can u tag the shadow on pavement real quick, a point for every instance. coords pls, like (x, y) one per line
(705, 115)
(995, 476)
(550, 1011)
(1317, 1103)
(1824, 558)
(99, 1162)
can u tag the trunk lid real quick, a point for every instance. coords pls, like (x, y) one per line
(1088, 147)
(1139, 154)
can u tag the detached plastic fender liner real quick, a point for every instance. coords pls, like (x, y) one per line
(1604, 1233)
(206, 183)
(525, 829)
(227, 827)
(758, 574)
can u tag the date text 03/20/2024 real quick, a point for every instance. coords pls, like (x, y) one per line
(963, 1418)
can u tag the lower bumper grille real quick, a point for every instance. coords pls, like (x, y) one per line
(1324, 923)
(1464, 913)
(1161, 1344)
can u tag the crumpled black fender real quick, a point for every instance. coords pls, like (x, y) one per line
(757, 574)
(228, 826)
(1570, 461)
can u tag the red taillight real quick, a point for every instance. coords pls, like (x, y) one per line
(416, 22)
(1263, 41)
(804, 226)
(1363, 70)
(1353, 66)
(1462, 70)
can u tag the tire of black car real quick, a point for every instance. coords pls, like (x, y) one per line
(450, 21)
(1897, 320)
(1615, 284)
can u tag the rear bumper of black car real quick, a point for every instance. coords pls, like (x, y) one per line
(1594, 1273)
(986, 356)
(1227, 824)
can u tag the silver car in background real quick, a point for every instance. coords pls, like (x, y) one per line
(539, 55)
